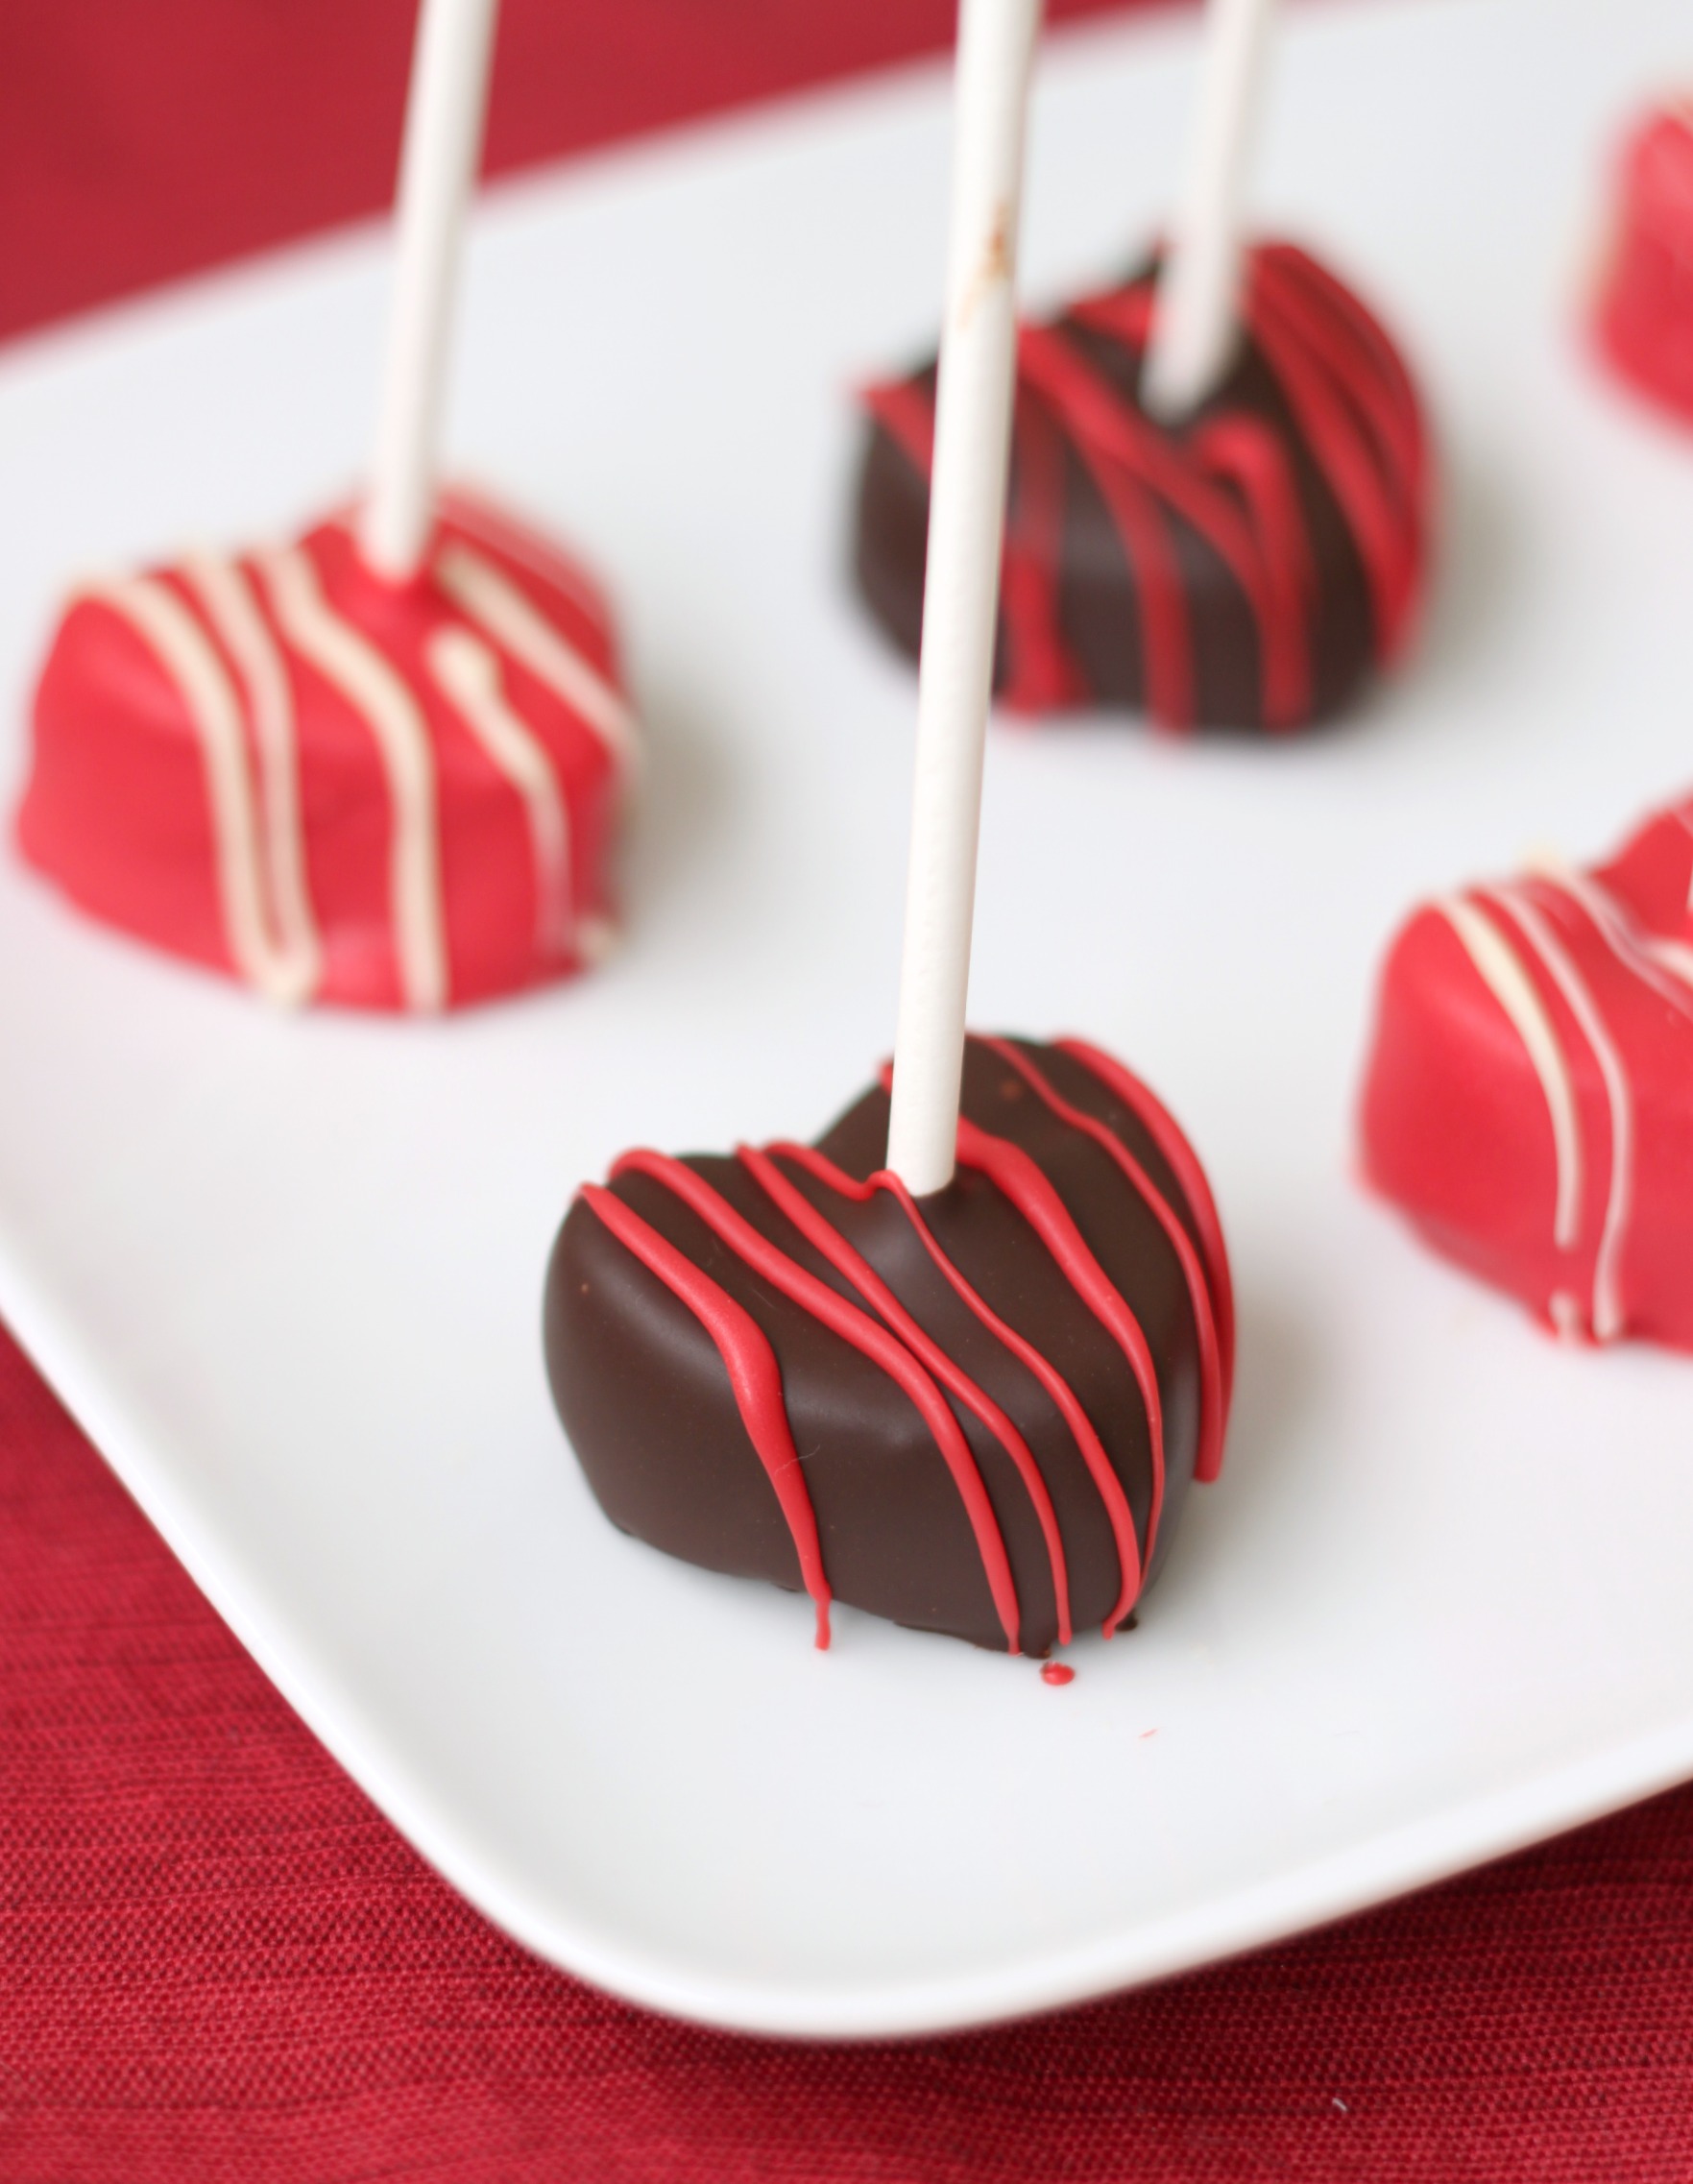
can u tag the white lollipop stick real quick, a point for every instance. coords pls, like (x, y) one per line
(960, 599)
(1195, 316)
(444, 111)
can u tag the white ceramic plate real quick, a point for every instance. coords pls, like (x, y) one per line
(287, 1273)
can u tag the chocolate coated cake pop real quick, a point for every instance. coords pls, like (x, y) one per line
(975, 1413)
(1248, 568)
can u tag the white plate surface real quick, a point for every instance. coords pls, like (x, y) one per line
(287, 1272)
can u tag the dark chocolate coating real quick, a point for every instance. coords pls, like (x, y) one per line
(1098, 601)
(648, 1404)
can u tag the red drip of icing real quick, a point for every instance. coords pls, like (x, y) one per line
(840, 1254)
(1013, 1174)
(1166, 1133)
(1230, 482)
(1093, 1450)
(869, 1337)
(1057, 1672)
(754, 1375)
(1213, 1407)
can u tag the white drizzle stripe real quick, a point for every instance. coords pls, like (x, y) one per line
(1676, 956)
(513, 541)
(511, 617)
(1608, 1312)
(1637, 951)
(373, 688)
(1566, 1316)
(189, 658)
(226, 600)
(1501, 971)
(467, 673)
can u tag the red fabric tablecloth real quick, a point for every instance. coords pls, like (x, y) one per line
(145, 138)
(216, 1960)
(220, 1965)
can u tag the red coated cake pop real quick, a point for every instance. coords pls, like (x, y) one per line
(336, 787)
(380, 767)
(1644, 319)
(1529, 1101)
(1247, 567)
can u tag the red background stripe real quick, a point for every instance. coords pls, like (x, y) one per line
(140, 140)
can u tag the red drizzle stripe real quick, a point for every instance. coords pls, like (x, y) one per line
(1374, 374)
(1356, 408)
(869, 1338)
(857, 1270)
(1213, 1406)
(1015, 1175)
(1039, 672)
(754, 1376)
(1094, 408)
(1093, 1451)
(1118, 446)
(1167, 1135)
(1244, 450)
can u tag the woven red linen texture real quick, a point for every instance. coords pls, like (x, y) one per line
(217, 1961)
(140, 140)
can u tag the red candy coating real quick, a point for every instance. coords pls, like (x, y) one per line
(1644, 319)
(1529, 1101)
(389, 796)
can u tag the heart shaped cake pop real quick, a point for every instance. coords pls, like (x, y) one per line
(393, 796)
(1245, 568)
(976, 1412)
(1529, 1101)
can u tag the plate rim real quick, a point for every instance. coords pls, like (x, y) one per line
(1390, 1862)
